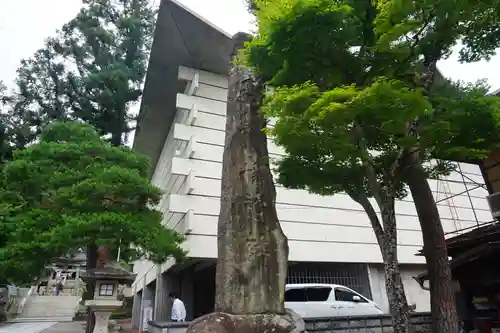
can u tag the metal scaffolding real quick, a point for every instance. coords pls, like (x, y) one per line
(443, 187)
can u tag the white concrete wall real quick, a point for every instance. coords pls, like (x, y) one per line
(327, 229)
(414, 294)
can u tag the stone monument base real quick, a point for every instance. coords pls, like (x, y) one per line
(102, 310)
(220, 322)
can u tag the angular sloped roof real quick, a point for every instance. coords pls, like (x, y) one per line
(181, 38)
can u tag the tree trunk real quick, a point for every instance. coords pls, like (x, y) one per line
(398, 305)
(387, 238)
(90, 286)
(116, 137)
(394, 284)
(252, 248)
(443, 306)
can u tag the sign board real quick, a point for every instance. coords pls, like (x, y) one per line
(147, 315)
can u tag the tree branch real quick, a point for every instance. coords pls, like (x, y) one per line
(368, 163)
(372, 215)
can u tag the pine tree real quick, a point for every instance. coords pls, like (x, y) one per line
(73, 189)
(91, 71)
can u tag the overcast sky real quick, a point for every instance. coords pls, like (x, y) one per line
(24, 24)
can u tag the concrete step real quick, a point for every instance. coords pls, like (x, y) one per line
(41, 319)
(50, 307)
(54, 306)
(49, 299)
(45, 316)
(47, 313)
(56, 313)
(53, 309)
(49, 310)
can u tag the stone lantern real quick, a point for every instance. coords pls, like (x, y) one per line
(107, 278)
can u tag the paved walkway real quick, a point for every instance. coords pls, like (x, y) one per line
(26, 327)
(53, 327)
(74, 327)
(45, 327)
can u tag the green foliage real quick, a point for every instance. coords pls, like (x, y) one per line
(5, 150)
(71, 189)
(351, 78)
(290, 30)
(344, 42)
(360, 107)
(431, 28)
(471, 118)
(319, 132)
(92, 70)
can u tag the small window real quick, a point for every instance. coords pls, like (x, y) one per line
(295, 295)
(106, 290)
(345, 295)
(320, 294)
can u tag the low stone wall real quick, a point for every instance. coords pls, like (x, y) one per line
(167, 327)
(421, 323)
(15, 297)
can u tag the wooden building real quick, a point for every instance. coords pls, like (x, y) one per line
(475, 261)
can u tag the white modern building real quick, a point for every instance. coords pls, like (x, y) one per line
(181, 127)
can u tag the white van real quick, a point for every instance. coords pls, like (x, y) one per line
(327, 300)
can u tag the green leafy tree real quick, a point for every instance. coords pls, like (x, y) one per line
(108, 44)
(40, 96)
(105, 49)
(5, 139)
(92, 70)
(72, 189)
(11, 138)
(360, 108)
(3, 96)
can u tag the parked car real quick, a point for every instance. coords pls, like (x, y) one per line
(327, 300)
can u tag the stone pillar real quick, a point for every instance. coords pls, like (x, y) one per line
(101, 321)
(77, 281)
(136, 310)
(148, 298)
(152, 295)
(161, 297)
(143, 298)
(187, 292)
(165, 284)
(148, 294)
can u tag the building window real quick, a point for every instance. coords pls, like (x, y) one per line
(106, 290)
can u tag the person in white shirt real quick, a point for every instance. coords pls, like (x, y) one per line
(178, 308)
